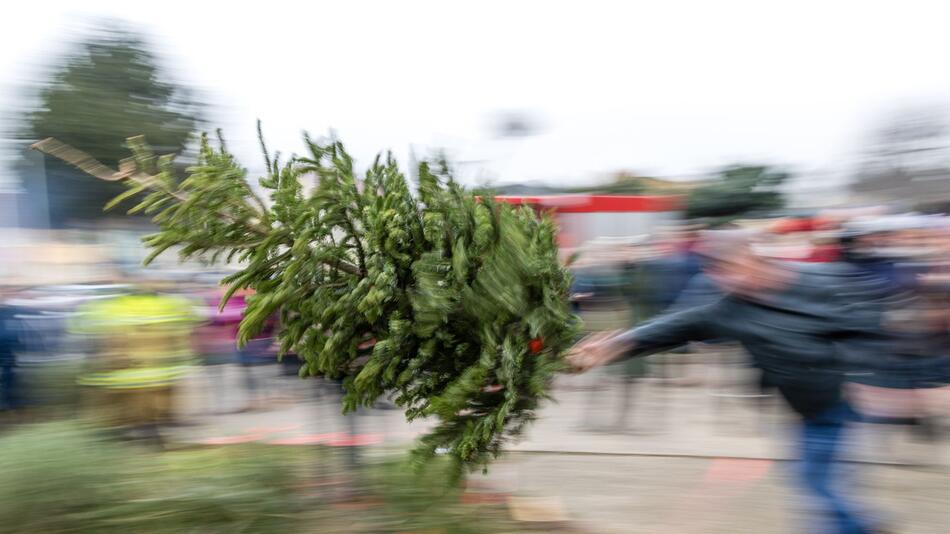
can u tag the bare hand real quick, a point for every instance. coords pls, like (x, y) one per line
(595, 350)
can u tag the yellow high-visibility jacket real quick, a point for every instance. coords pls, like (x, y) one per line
(142, 341)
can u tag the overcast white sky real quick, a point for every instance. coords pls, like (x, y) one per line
(666, 87)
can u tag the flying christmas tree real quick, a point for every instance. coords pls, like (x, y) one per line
(455, 305)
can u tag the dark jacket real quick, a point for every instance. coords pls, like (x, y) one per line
(669, 276)
(805, 338)
(700, 291)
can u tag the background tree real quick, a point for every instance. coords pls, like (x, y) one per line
(621, 183)
(108, 88)
(737, 191)
(907, 158)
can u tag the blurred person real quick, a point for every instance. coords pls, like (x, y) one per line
(601, 298)
(11, 342)
(637, 287)
(46, 361)
(825, 240)
(908, 385)
(670, 269)
(812, 239)
(805, 326)
(216, 343)
(863, 249)
(904, 387)
(825, 249)
(258, 353)
(143, 350)
(673, 265)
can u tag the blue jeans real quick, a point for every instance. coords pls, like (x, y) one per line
(821, 440)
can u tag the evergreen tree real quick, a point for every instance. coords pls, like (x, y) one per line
(456, 304)
(108, 88)
(737, 191)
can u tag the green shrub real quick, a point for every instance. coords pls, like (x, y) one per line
(422, 501)
(240, 489)
(64, 477)
(69, 478)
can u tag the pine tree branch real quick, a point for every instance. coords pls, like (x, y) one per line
(349, 268)
(257, 200)
(90, 165)
(360, 254)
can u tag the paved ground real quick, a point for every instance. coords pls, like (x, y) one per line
(711, 419)
(702, 458)
(710, 496)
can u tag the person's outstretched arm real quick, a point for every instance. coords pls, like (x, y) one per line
(664, 333)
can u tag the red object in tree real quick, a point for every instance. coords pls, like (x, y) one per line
(536, 345)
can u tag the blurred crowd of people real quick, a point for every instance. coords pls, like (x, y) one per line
(121, 351)
(623, 282)
(844, 316)
(93, 329)
(132, 342)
